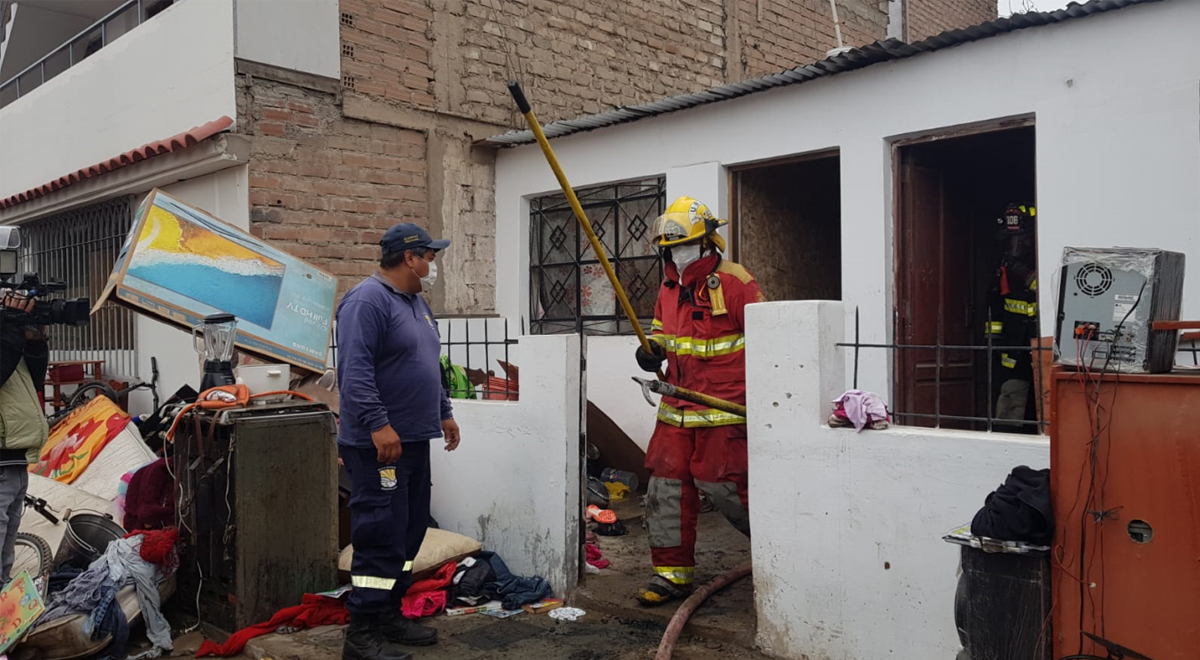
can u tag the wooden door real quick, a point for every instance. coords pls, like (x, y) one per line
(934, 280)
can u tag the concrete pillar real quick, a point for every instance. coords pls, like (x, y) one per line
(793, 371)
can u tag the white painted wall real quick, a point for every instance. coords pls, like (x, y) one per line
(303, 35)
(610, 365)
(514, 483)
(1118, 152)
(167, 76)
(226, 196)
(831, 507)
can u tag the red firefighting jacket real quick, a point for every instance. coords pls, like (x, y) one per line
(701, 323)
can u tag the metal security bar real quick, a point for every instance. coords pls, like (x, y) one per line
(479, 345)
(569, 292)
(96, 36)
(79, 248)
(986, 422)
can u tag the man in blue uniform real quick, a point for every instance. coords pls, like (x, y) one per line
(392, 404)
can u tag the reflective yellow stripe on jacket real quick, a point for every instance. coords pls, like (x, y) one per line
(1020, 307)
(690, 419)
(703, 348)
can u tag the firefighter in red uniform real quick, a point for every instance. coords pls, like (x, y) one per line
(698, 331)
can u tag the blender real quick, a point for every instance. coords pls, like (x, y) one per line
(218, 332)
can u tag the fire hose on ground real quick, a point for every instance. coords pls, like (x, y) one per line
(675, 626)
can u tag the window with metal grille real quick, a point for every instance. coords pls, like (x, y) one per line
(79, 248)
(569, 291)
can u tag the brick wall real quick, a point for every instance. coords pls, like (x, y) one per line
(387, 49)
(574, 56)
(781, 34)
(337, 162)
(925, 18)
(322, 187)
(581, 56)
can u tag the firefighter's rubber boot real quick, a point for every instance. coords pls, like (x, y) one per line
(660, 591)
(365, 640)
(398, 629)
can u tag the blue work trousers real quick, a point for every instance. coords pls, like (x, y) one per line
(389, 513)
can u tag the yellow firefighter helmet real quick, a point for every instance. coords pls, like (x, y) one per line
(687, 220)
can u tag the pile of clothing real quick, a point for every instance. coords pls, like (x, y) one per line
(472, 581)
(485, 578)
(143, 560)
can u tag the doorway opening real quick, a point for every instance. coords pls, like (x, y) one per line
(952, 199)
(787, 226)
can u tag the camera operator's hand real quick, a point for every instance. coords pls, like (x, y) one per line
(15, 301)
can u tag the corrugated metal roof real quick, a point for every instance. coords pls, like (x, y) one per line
(858, 58)
(174, 143)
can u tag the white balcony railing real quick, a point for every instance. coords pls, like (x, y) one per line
(115, 24)
(165, 76)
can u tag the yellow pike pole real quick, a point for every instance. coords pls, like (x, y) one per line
(518, 95)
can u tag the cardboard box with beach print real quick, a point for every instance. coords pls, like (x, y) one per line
(182, 264)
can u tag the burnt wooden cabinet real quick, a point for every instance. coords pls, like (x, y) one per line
(258, 496)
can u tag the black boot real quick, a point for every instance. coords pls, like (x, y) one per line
(398, 629)
(366, 640)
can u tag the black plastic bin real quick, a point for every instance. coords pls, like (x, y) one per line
(1002, 605)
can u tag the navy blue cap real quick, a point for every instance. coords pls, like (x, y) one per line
(407, 236)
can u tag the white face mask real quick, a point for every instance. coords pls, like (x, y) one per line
(684, 256)
(428, 281)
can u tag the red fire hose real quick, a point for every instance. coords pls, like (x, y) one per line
(675, 626)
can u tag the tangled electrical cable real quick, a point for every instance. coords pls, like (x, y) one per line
(1100, 423)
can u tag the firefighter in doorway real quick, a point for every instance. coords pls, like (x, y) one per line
(1014, 319)
(698, 330)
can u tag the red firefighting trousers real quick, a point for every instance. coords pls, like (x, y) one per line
(682, 463)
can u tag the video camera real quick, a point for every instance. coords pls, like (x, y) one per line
(75, 311)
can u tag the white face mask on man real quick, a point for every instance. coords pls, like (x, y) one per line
(684, 256)
(428, 281)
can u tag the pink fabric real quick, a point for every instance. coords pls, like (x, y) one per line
(862, 408)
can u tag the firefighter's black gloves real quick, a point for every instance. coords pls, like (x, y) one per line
(651, 361)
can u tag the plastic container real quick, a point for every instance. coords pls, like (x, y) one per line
(260, 378)
(620, 476)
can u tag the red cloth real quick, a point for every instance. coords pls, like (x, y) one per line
(158, 547)
(317, 611)
(428, 597)
(423, 604)
(313, 611)
(595, 558)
